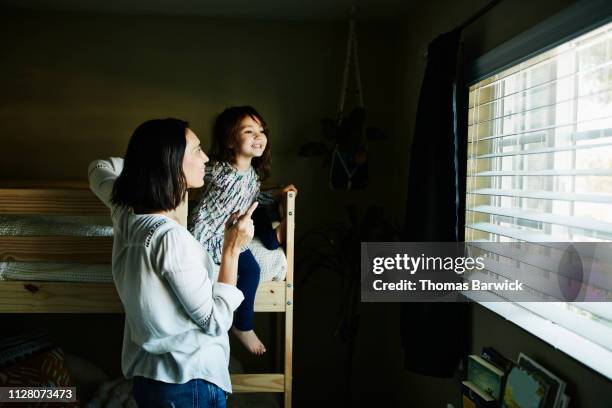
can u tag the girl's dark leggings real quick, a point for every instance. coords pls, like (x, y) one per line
(249, 270)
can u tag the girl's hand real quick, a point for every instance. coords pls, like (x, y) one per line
(239, 229)
(283, 192)
(287, 188)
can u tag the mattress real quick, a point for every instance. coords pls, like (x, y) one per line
(101, 273)
(29, 225)
(56, 272)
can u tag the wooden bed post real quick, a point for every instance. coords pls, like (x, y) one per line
(289, 298)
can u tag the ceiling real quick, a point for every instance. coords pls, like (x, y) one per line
(297, 10)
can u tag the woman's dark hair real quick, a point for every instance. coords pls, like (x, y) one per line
(152, 178)
(226, 132)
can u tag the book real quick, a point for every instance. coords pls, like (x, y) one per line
(497, 359)
(474, 397)
(524, 390)
(557, 386)
(485, 375)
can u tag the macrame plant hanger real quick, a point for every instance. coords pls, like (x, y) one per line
(351, 51)
(351, 54)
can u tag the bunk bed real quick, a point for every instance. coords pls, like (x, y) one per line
(86, 254)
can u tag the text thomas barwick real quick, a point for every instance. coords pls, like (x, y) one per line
(425, 284)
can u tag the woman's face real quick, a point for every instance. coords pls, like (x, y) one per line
(193, 161)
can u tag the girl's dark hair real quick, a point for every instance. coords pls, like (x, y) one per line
(152, 178)
(225, 134)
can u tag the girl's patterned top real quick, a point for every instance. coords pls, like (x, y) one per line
(226, 190)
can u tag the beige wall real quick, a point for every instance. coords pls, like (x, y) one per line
(74, 86)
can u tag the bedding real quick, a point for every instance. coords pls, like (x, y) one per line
(273, 263)
(60, 272)
(29, 225)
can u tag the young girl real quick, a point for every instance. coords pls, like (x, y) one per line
(241, 148)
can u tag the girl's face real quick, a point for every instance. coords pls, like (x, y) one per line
(251, 138)
(193, 161)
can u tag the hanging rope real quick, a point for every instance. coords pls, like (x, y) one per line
(351, 55)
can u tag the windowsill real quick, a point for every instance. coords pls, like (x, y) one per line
(586, 352)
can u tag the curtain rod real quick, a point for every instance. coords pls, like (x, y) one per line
(475, 17)
(478, 14)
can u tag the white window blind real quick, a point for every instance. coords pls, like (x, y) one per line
(540, 170)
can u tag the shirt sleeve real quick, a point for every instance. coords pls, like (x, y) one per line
(102, 175)
(265, 198)
(210, 305)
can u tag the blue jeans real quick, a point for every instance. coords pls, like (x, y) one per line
(150, 393)
(248, 280)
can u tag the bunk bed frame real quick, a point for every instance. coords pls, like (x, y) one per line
(73, 199)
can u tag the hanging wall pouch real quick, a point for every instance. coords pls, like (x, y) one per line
(349, 162)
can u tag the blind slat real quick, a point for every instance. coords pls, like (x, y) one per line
(560, 172)
(569, 221)
(532, 135)
(544, 195)
(540, 151)
(509, 232)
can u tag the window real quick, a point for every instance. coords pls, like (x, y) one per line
(540, 170)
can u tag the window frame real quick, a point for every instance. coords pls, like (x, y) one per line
(576, 20)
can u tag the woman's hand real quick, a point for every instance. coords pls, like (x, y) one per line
(239, 229)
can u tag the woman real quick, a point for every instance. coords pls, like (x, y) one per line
(177, 315)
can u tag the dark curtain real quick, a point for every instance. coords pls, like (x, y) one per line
(434, 335)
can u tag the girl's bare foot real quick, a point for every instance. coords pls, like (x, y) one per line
(250, 340)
